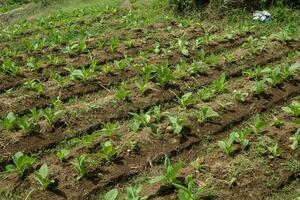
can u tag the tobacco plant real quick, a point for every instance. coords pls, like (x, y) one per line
(227, 145)
(185, 100)
(21, 162)
(9, 122)
(205, 114)
(205, 94)
(140, 120)
(108, 151)
(82, 164)
(189, 192)
(110, 129)
(258, 87)
(123, 93)
(164, 75)
(275, 151)
(42, 177)
(51, 115)
(177, 124)
(220, 85)
(62, 154)
(10, 68)
(295, 139)
(258, 124)
(110, 195)
(34, 86)
(293, 108)
(133, 193)
(240, 96)
(171, 173)
(81, 74)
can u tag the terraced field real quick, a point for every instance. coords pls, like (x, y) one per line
(102, 99)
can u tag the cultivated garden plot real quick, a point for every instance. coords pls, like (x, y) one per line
(102, 103)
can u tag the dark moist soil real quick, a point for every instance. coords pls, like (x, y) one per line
(87, 123)
(110, 174)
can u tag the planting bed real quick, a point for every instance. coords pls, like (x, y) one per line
(109, 109)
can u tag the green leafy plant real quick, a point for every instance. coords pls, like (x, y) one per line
(254, 73)
(164, 75)
(42, 177)
(171, 173)
(295, 139)
(110, 129)
(241, 137)
(277, 122)
(205, 94)
(123, 93)
(293, 108)
(32, 64)
(133, 193)
(258, 124)
(275, 151)
(185, 100)
(25, 124)
(114, 44)
(220, 85)
(21, 163)
(34, 86)
(274, 77)
(258, 87)
(177, 124)
(81, 74)
(108, 151)
(110, 195)
(82, 164)
(62, 154)
(205, 114)
(240, 96)
(9, 67)
(9, 121)
(140, 120)
(51, 115)
(288, 71)
(189, 192)
(227, 145)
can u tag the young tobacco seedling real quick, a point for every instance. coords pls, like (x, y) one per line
(32, 64)
(110, 195)
(110, 129)
(176, 124)
(123, 93)
(25, 124)
(21, 163)
(82, 163)
(277, 122)
(220, 85)
(42, 177)
(185, 100)
(156, 113)
(140, 120)
(205, 114)
(34, 86)
(9, 67)
(295, 139)
(258, 124)
(114, 44)
(293, 108)
(226, 145)
(81, 74)
(189, 192)
(9, 122)
(108, 151)
(258, 87)
(62, 154)
(205, 94)
(240, 96)
(51, 115)
(171, 173)
(164, 75)
(133, 193)
(275, 151)
(241, 137)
